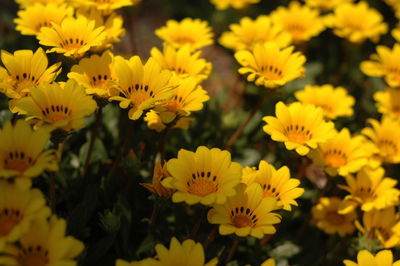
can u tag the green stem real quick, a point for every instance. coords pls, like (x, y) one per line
(232, 250)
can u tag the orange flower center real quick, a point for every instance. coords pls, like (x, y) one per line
(54, 113)
(182, 40)
(19, 161)
(297, 30)
(99, 81)
(270, 191)
(366, 194)
(271, 72)
(335, 218)
(202, 187)
(9, 218)
(388, 146)
(298, 134)
(45, 23)
(71, 43)
(24, 81)
(241, 220)
(138, 93)
(33, 256)
(335, 158)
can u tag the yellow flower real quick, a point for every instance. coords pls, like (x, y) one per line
(299, 126)
(276, 184)
(385, 137)
(182, 62)
(269, 262)
(154, 121)
(326, 5)
(237, 4)
(386, 63)
(27, 3)
(18, 207)
(335, 102)
(159, 174)
(395, 5)
(113, 27)
(383, 225)
(341, 155)
(248, 32)
(106, 7)
(46, 244)
(187, 253)
(357, 22)
(96, 75)
(327, 218)
(370, 190)
(388, 102)
(301, 21)
(142, 86)
(246, 213)
(33, 18)
(193, 32)
(188, 97)
(21, 152)
(73, 37)
(364, 258)
(26, 69)
(270, 66)
(207, 176)
(56, 106)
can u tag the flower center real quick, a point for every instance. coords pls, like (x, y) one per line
(19, 161)
(139, 93)
(271, 72)
(33, 256)
(71, 43)
(366, 194)
(99, 81)
(388, 146)
(202, 187)
(270, 191)
(173, 105)
(182, 40)
(297, 134)
(297, 30)
(335, 218)
(54, 113)
(335, 158)
(9, 218)
(241, 220)
(24, 81)
(42, 24)
(355, 26)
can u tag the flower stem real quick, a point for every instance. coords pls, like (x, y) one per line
(232, 250)
(240, 129)
(210, 237)
(122, 149)
(52, 192)
(161, 145)
(92, 141)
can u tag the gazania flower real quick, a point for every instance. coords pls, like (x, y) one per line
(300, 21)
(73, 37)
(187, 253)
(269, 262)
(357, 22)
(182, 62)
(383, 225)
(18, 207)
(385, 137)
(33, 18)
(96, 75)
(326, 5)
(188, 97)
(342, 154)
(207, 176)
(27, 3)
(270, 66)
(113, 27)
(154, 121)
(159, 174)
(396, 32)
(299, 126)
(327, 218)
(335, 102)
(276, 184)
(56, 106)
(395, 5)
(106, 7)
(142, 86)
(45, 245)
(388, 102)
(246, 213)
(21, 152)
(370, 190)
(382, 258)
(193, 32)
(26, 69)
(248, 32)
(237, 4)
(386, 63)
